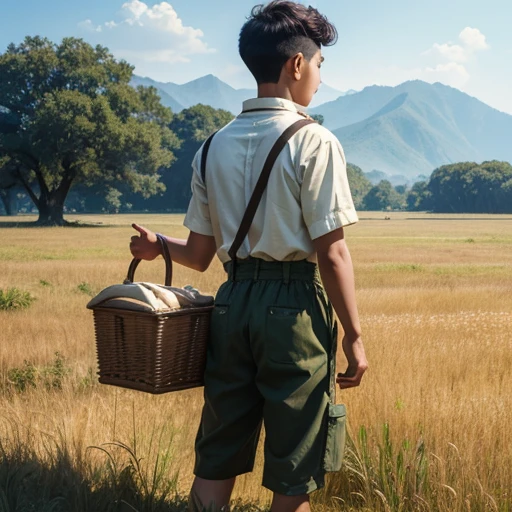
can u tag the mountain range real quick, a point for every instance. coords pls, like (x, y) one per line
(406, 130)
(218, 94)
(415, 127)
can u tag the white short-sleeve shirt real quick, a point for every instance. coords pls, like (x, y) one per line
(307, 195)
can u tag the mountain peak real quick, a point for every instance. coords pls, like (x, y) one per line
(206, 80)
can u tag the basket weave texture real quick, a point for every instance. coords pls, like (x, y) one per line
(153, 352)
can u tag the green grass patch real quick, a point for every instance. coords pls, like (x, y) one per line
(86, 289)
(13, 299)
(50, 376)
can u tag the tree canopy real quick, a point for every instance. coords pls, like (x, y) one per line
(193, 126)
(70, 116)
(468, 187)
(360, 185)
(383, 197)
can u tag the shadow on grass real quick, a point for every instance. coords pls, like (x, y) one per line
(29, 484)
(59, 484)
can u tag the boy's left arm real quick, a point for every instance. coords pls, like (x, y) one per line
(196, 252)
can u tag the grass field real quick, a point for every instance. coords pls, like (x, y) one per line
(430, 425)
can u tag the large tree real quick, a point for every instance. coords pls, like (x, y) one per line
(70, 116)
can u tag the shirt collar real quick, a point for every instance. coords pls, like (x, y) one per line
(271, 104)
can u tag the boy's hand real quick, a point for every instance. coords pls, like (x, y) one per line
(357, 363)
(145, 246)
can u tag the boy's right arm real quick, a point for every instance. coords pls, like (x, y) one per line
(196, 251)
(335, 265)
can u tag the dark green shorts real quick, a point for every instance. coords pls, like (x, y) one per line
(271, 360)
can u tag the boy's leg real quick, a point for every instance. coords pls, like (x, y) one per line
(210, 495)
(214, 496)
(282, 503)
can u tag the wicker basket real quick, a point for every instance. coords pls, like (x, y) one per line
(152, 351)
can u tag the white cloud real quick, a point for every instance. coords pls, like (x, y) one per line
(145, 34)
(452, 74)
(472, 41)
(89, 26)
(452, 70)
(134, 10)
(452, 52)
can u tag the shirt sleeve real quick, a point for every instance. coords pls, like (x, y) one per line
(198, 214)
(325, 192)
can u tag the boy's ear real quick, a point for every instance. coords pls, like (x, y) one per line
(295, 66)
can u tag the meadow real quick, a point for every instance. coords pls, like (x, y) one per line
(430, 426)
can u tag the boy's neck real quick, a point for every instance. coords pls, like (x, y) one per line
(269, 90)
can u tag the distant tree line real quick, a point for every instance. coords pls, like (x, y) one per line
(465, 187)
(75, 136)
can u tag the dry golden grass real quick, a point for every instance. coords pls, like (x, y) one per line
(435, 300)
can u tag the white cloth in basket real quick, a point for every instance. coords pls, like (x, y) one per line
(149, 297)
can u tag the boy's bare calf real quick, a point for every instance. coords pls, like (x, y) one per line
(214, 496)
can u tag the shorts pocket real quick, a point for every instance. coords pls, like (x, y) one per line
(290, 337)
(336, 437)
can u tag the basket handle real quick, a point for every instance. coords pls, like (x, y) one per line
(167, 258)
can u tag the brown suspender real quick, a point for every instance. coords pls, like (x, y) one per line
(204, 154)
(261, 184)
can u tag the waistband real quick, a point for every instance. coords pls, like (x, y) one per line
(258, 270)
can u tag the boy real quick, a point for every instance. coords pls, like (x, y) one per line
(271, 356)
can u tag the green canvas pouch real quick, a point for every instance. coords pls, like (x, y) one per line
(336, 437)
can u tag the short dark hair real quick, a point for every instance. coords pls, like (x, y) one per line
(279, 30)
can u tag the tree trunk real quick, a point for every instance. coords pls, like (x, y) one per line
(51, 204)
(7, 197)
(51, 213)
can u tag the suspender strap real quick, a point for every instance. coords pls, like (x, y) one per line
(262, 184)
(204, 154)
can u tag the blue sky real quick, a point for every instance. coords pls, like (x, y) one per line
(463, 43)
